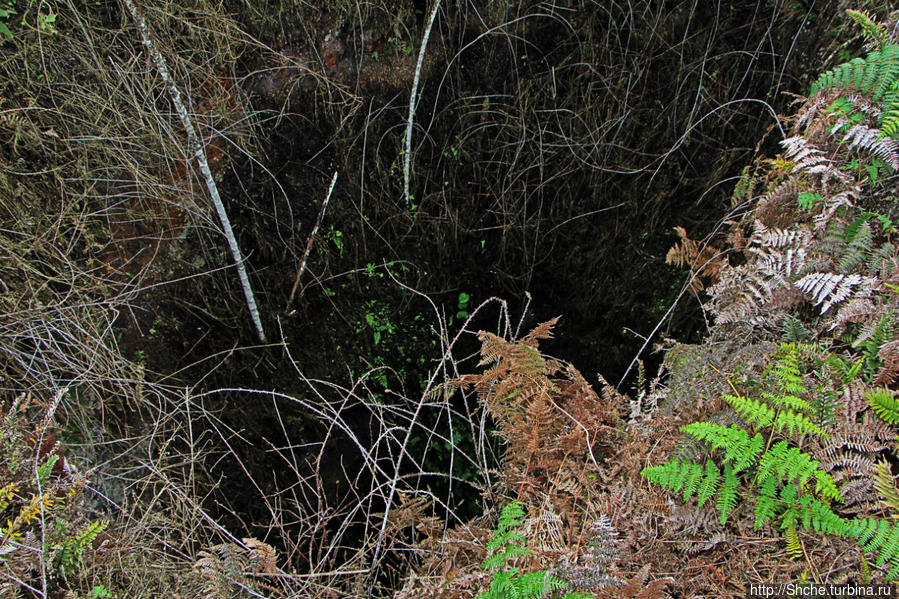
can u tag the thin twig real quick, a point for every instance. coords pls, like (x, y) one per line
(318, 223)
(200, 154)
(413, 101)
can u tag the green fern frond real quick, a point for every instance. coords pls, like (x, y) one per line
(818, 516)
(826, 486)
(45, 469)
(788, 401)
(860, 240)
(508, 553)
(885, 486)
(727, 496)
(786, 462)
(676, 476)
(739, 449)
(889, 118)
(796, 422)
(886, 87)
(871, 339)
(879, 537)
(889, 551)
(512, 584)
(72, 550)
(751, 410)
(823, 405)
(743, 188)
(506, 546)
(709, 483)
(785, 369)
(535, 585)
(794, 545)
(510, 517)
(872, 30)
(692, 482)
(504, 538)
(846, 370)
(794, 331)
(872, 75)
(884, 403)
(792, 464)
(507, 543)
(766, 503)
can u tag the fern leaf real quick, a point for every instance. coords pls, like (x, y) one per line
(792, 464)
(676, 476)
(535, 585)
(889, 120)
(877, 536)
(510, 517)
(739, 449)
(72, 550)
(868, 75)
(766, 503)
(884, 403)
(795, 422)
(826, 486)
(885, 486)
(871, 140)
(819, 517)
(692, 480)
(751, 410)
(794, 331)
(861, 240)
(794, 545)
(873, 31)
(890, 549)
(872, 338)
(827, 289)
(727, 496)
(823, 412)
(888, 69)
(709, 482)
(788, 400)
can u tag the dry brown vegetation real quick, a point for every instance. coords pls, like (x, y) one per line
(130, 475)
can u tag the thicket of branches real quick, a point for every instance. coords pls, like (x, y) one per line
(123, 481)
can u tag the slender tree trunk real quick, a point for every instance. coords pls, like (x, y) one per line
(196, 148)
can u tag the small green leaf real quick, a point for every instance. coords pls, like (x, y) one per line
(807, 199)
(872, 173)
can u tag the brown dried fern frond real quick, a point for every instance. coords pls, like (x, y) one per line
(227, 570)
(703, 260)
(639, 587)
(544, 330)
(888, 375)
(857, 310)
(263, 556)
(779, 208)
(738, 294)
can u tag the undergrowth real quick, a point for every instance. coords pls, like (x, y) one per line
(779, 451)
(763, 454)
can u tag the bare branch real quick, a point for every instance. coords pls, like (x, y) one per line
(200, 154)
(413, 101)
